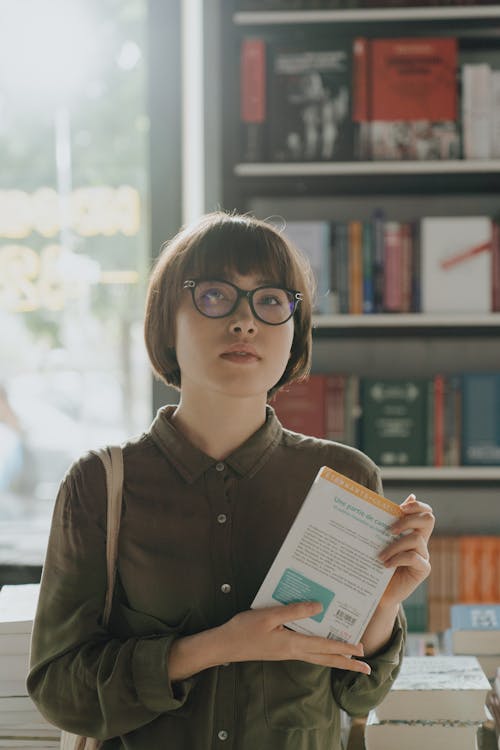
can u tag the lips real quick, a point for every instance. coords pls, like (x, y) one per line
(240, 354)
(241, 350)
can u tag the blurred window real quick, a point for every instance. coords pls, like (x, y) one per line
(73, 246)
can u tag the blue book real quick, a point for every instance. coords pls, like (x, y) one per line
(475, 617)
(481, 419)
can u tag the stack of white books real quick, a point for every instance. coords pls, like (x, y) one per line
(475, 630)
(436, 702)
(21, 724)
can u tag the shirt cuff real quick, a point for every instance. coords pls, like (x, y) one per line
(150, 675)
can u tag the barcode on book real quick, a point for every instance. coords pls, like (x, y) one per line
(345, 617)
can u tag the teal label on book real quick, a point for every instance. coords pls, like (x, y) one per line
(294, 587)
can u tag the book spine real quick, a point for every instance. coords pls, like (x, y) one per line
(342, 262)
(416, 272)
(487, 577)
(368, 291)
(439, 386)
(430, 448)
(495, 114)
(335, 417)
(470, 550)
(476, 115)
(495, 267)
(406, 267)
(334, 280)
(378, 261)
(360, 110)
(253, 98)
(392, 267)
(355, 268)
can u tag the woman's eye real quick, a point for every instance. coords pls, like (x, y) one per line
(270, 300)
(213, 295)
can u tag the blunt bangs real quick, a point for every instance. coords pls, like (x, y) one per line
(244, 248)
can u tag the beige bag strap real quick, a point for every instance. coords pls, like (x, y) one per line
(112, 458)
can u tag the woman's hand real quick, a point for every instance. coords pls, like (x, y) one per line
(259, 634)
(408, 553)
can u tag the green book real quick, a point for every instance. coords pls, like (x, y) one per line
(394, 421)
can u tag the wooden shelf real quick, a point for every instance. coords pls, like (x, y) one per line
(410, 320)
(321, 169)
(441, 474)
(363, 15)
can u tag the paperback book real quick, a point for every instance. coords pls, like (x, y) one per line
(437, 688)
(330, 556)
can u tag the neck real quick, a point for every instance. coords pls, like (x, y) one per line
(216, 424)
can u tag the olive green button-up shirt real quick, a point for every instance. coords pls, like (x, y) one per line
(197, 538)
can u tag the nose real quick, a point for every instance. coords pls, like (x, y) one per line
(242, 320)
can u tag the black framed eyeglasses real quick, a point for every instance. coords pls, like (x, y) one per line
(216, 298)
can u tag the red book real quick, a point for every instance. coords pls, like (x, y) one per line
(355, 264)
(335, 416)
(253, 97)
(413, 79)
(439, 385)
(301, 407)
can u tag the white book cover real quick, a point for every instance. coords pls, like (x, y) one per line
(312, 238)
(456, 264)
(495, 114)
(17, 608)
(437, 688)
(421, 734)
(476, 110)
(330, 555)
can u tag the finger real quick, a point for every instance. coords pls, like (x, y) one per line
(413, 541)
(412, 505)
(409, 559)
(425, 521)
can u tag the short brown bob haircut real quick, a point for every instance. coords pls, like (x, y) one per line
(215, 245)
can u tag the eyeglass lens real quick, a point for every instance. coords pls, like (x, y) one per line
(216, 299)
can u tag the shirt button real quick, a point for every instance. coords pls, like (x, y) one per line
(220, 466)
(222, 518)
(225, 588)
(222, 735)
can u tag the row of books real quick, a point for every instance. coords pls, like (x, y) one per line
(382, 99)
(465, 570)
(439, 264)
(21, 724)
(439, 421)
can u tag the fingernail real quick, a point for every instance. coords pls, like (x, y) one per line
(368, 669)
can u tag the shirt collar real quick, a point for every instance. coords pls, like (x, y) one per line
(191, 462)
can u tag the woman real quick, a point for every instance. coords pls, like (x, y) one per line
(209, 495)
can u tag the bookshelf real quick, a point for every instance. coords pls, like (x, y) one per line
(375, 345)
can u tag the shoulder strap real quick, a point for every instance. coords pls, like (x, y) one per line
(112, 459)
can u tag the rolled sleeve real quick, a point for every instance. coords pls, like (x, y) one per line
(150, 678)
(357, 693)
